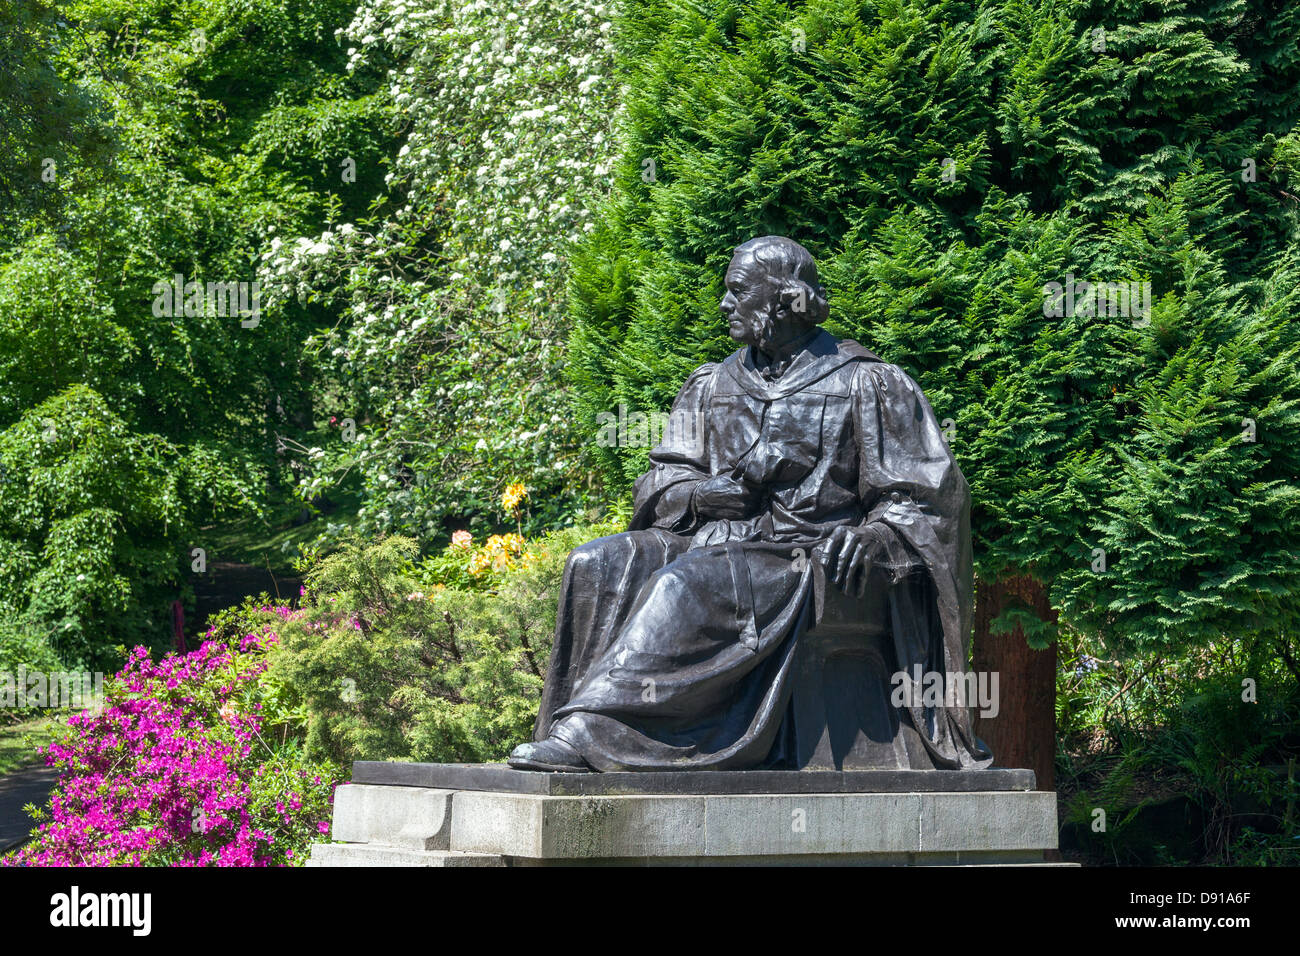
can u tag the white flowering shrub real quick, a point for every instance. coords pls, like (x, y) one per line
(449, 354)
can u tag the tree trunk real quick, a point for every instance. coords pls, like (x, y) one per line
(1023, 734)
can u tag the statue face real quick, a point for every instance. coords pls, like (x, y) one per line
(750, 302)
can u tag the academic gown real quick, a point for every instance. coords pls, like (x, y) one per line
(674, 640)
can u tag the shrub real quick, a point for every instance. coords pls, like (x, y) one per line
(175, 770)
(22, 648)
(393, 663)
(1192, 755)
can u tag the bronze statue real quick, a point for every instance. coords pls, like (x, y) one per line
(801, 538)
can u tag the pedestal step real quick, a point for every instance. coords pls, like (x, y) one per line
(423, 826)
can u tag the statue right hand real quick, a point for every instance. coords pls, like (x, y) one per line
(724, 497)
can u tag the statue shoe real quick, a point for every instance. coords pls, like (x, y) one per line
(551, 754)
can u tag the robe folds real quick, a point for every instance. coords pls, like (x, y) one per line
(675, 639)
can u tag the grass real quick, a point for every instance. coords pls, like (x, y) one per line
(18, 742)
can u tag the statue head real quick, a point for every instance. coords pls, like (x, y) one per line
(773, 295)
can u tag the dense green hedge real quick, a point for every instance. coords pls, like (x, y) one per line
(945, 162)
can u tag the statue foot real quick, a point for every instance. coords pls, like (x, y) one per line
(552, 755)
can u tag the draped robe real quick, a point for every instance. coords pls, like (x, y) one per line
(674, 640)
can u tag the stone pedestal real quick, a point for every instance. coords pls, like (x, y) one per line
(395, 814)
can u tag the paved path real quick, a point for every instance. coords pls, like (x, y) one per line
(18, 789)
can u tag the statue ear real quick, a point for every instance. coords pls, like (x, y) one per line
(796, 299)
(803, 301)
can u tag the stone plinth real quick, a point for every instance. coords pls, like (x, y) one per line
(396, 814)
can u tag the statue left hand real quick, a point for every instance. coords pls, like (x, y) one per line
(849, 555)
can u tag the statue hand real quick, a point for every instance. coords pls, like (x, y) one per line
(849, 555)
(724, 497)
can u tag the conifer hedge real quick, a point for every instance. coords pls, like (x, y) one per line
(946, 162)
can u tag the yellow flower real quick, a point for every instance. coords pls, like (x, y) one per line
(498, 553)
(511, 543)
(513, 497)
(479, 562)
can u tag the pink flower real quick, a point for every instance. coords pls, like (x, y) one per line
(173, 771)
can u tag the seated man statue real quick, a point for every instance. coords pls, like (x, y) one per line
(800, 471)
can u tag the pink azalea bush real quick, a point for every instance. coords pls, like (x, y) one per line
(176, 769)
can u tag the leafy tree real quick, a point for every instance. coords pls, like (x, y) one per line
(445, 372)
(212, 122)
(94, 522)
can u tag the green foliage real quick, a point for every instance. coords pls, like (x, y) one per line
(945, 162)
(55, 335)
(1201, 742)
(24, 649)
(283, 715)
(392, 663)
(94, 522)
(443, 380)
(49, 124)
(181, 134)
